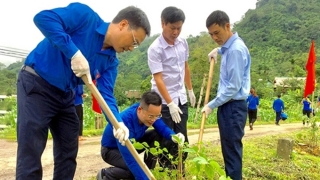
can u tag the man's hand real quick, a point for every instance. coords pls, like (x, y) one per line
(80, 66)
(213, 54)
(175, 112)
(207, 110)
(192, 98)
(122, 133)
(180, 136)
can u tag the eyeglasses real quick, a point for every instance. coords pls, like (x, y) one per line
(152, 116)
(135, 44)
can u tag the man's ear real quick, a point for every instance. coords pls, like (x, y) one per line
(227, 26)
(123, 24)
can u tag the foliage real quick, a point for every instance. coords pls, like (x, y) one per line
(199, 167)
(278, 34)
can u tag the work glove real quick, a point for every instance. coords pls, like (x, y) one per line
(174, 111)
(80, 66)
(180, 136)
(122, 133)
(213, 54)
(206, 109)
(192, 98)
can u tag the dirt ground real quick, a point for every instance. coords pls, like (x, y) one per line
(89, 160)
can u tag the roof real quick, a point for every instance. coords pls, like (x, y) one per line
(133, 94)
(283, 81)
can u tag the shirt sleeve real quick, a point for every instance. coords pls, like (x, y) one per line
(187, 49)
(163, 129)
(105, 84)
(154, 61)
(132, 163)
(58, 24)
(235, 67)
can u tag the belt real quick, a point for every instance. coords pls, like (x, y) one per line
(235, 100)
(30, 70)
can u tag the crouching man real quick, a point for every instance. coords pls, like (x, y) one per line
(138, 118)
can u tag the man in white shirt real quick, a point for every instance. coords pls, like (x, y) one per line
(168, 63)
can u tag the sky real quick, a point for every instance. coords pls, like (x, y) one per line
(17, 29)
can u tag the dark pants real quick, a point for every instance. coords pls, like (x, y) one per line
(306, 112)
(278, 117)
(252, 113)
(231, 120)
(120, 169)
(41, 107)
(177, 128)
(79, 111)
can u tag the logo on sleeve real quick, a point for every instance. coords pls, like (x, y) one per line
(96, 74)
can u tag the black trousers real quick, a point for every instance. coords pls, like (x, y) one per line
(306, 112)
(278, 117)
(177, 128)
(79, 111)
(41, 107)
(252, 113)
(120, 170)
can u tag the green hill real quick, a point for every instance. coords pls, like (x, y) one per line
(278, 34)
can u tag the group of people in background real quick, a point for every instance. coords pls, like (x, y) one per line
(79, 44)
(278, 107)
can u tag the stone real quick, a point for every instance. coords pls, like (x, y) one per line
(285, 148)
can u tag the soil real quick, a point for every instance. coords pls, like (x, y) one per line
(89, 161)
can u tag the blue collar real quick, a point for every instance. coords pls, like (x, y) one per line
(227, 44)
(102, 29)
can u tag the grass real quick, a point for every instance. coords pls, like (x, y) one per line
(260, 161)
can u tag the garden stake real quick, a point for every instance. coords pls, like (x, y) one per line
(180, 172)
(93, 89)
(206, 99)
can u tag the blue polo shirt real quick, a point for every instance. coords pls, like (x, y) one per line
(253, 102)
(137, 130)
(306, 105)
(278, 105)
(67, 30)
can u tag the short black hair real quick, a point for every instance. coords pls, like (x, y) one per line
(136, 18)
(150, 97)
(217, 17)
(172, 14)
(279, 95)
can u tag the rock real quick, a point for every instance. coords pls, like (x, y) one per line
(285, 148)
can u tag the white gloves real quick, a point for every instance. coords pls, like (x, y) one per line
(192, 98)
(174, 111)
(207, 110)
(122, 133)
(180, 136)
(80, 66)
(213, 54)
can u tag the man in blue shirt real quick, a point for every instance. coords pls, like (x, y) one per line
(77, 42)
(278, 107)
(138, 118)
(234, 86)
(306, 110)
